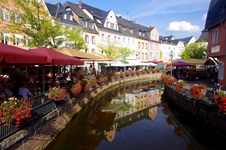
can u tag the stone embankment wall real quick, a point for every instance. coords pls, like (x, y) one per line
(45, 130)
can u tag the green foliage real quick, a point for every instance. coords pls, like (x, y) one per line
(194, 50)
(42, 29)
(125, 52)
(110, 50)
(114, 52)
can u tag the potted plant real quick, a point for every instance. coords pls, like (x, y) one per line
(93, 81)
(143, 71)
(76, 88)
(85, 85)
(153, 70)
(122, 74)
(116, 75)
(180, 84)
(57, 93)
(14, 111)
(220, 101)
(138, 72)
(197, 90)
(127, 73)
(132, 72)
(170, 80)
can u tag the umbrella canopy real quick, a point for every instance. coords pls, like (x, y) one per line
(17, 56)
(180, 64)
(159, 65)
(78, 54)
(57, 58)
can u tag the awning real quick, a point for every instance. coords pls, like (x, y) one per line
(57, 58)
(17, 56)
(78, 54)
(196, 61)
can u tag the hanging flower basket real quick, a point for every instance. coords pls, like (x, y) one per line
(76, 88)
(93, 81)
(138, 72)
(220, 101)
(14, 111)
(122, 74)
(170, 80)
(132, 73)
(57, 93)
(85, 85)
(180, 84)
(116, 75)
(197, 90)
(127, 73)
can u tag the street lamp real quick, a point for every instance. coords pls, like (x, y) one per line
(171, 57)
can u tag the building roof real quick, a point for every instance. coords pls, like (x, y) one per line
(58, 12)
(203, 37)
(216, 13)
(186, 40)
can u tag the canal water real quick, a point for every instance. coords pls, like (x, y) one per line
(133, 117)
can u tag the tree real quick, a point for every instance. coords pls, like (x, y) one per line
(195, 50)
(110, 50)
(125, 52)
(40, 27)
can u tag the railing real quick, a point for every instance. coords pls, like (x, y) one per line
(40, 106)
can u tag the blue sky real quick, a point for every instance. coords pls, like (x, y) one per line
(180, 18)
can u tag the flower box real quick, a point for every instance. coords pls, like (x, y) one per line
(14, 111)
(57, 93)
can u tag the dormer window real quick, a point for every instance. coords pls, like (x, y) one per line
(98, 21)
(131, 31)
(65, 16)
(71, 17)
(140, 33)
(91, 25)
(85, 24)
(143, 34)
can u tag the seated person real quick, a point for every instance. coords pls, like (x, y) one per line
(8, 90)
(24, 91)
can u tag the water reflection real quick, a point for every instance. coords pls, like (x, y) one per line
(118, 113)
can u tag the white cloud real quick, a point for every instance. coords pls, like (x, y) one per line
(204, 17)
(183, 26)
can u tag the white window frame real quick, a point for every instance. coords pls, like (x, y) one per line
(215, 36)
(6, 38)
(17, 17)
(5, 14)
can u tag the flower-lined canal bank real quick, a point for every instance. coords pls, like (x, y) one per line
(204, 104)
(43, 131)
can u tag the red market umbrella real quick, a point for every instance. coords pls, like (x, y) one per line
(180, 64)
(57, 58)
(11, 55)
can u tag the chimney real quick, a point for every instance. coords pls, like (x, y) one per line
(80, 3)
(134, 21)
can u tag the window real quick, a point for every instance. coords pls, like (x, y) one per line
(17, 39)
(102, 37)
(5, 14)
(71, 17)
(93, 39)
(5, 38)
(87, 39)
(65, 16)
(17, 17)
(215, 36)
(26, 41)
(221, 71)
(85, 23)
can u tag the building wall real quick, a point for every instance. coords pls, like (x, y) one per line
(218, 48)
